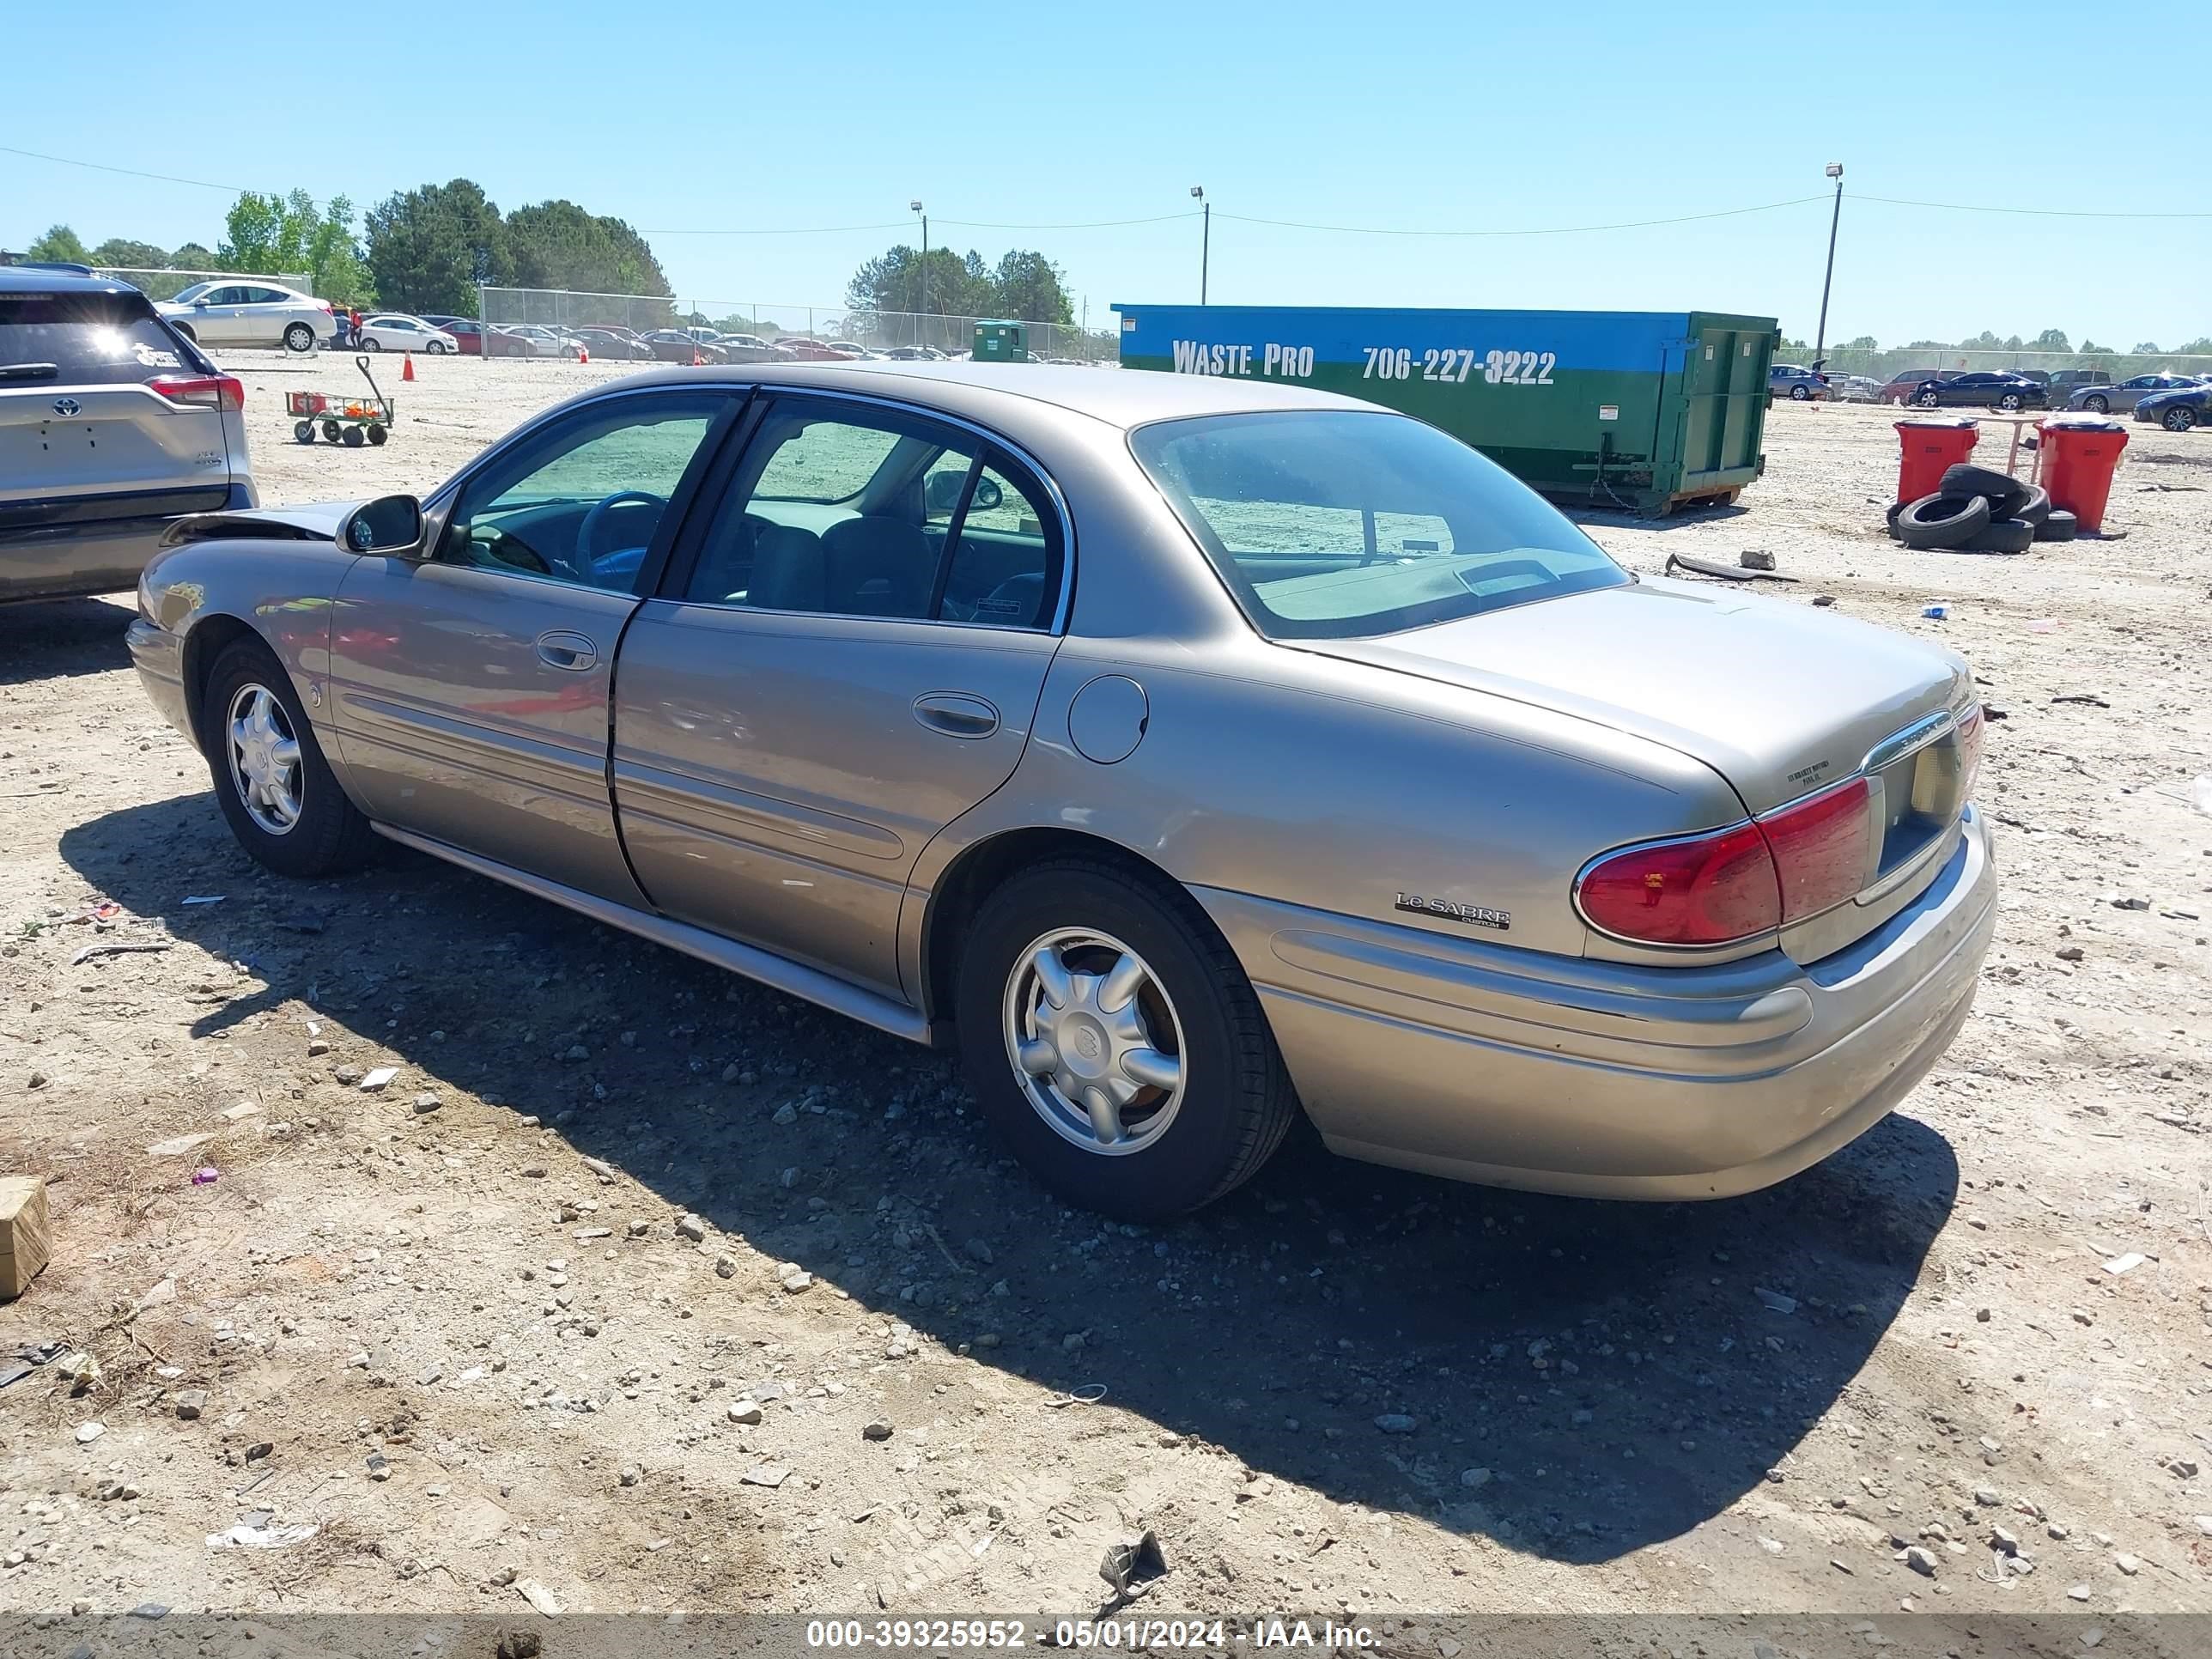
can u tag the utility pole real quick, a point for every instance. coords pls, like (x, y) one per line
(1206, 240)
(1820, 336)
(915, 207)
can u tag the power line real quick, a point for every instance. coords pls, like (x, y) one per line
(2035, 213)
(788, 230)
(1092, 224)
(964, 224)
(131, 172)
(1549, 230)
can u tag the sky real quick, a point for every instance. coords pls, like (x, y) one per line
(1426, 118)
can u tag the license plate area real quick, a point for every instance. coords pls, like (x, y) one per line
(1919, 796)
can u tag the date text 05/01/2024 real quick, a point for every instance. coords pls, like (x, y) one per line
(1450, 365)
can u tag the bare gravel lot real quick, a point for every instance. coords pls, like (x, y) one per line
(601, 1295)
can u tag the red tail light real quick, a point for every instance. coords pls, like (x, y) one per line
(1820, 847)
(1747, 879)
(1703, 890)
(208, 391)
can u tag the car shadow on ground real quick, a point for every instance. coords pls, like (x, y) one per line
(1582, 1379)
(1587, 513)
(51, 639)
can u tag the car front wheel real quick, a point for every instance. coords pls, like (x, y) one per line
(2102, 405)
(1926, 400)
(274, 786)
(299, 336)
(2179, 420)
(1800, 394)
(1113, 1040)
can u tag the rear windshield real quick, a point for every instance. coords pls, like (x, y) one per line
(1332, 525)
(90, 339)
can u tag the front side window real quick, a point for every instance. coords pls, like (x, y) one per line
(582, 501)
(851, 512)
(1329, 525)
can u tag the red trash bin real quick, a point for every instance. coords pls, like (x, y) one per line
(1927, 447)
(2079, 455)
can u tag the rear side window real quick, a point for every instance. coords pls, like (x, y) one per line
(90, 339)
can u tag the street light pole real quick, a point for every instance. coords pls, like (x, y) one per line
(1206, 240)
(1820, 336)
(915, 207)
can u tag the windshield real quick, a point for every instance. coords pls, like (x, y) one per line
(1340, 524)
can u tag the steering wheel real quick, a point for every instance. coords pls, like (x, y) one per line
(588, 531)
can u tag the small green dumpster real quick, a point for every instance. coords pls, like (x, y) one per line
(998, 341)
(1645, 411)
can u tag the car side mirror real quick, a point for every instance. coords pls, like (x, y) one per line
(940, 491)
(390, 526)
(199, 305)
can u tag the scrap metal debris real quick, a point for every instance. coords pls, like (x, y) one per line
(1130, 1567)
(1725, 572)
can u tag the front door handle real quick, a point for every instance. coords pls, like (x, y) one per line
(956, 713)
(562, 649)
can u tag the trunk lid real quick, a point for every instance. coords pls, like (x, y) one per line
(1778, 699)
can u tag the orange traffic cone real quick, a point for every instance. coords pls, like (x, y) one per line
(583, 354)
(697, 361)
(407, 367)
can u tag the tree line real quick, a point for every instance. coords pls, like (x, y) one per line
(422, 250)
(1864, 354)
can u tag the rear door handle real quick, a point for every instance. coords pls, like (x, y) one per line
(562, 649)
(956, 713)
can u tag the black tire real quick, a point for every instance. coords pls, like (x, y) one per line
(2059, 526)
(2007, 494)
(2009, 403)
(304, 431)
(2179, 419)
(1935, 522)
(1237, 1102)
(330, 835)
(2036, 509)
(377, 434)
(2002, 536)
(1801, 394)
(371, 344)
(332, 431)
(353, 438)
(1928, 400)
(2099, 402)
(434, 348)
(299, 336)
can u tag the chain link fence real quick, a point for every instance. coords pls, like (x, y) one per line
(562, 312)
(167, 284)
(1887, 363)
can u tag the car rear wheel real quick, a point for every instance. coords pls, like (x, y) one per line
(2009, 403)
(298, 337)
(274, 786)
(370, 342)
(1113, 1040)
(2102, 405)
(2179, 420)
(1800, 394)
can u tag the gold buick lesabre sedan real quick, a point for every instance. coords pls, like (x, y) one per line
(1190, 753)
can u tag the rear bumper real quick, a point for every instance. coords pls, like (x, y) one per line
(62, 562)
(1563, 1074)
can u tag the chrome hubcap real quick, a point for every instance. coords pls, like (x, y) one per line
(264, 759)
(1094, 1041)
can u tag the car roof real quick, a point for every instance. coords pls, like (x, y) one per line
(37, 279)
(1120, 398)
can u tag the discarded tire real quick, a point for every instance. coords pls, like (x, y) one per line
(1942, 520)
(2060, 526)
(2002, 536)
(2005, 492)
(2036, 509)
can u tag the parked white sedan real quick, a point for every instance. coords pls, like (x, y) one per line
(395, 331)
(249, 313)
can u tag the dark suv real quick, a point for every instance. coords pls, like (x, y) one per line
(111, 425)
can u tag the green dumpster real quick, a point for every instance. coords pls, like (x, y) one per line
(998, 341)
(1644, 411)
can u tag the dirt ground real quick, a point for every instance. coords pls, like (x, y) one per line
(452, 1343)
